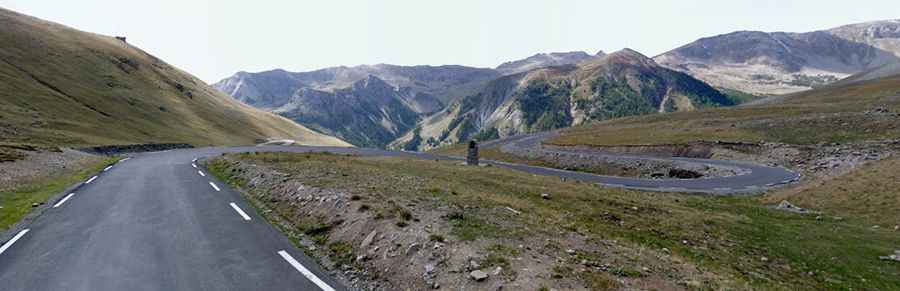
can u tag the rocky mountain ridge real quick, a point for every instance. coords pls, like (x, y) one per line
(780, 62)
(545, 60)
(339, 100)
(623, 83)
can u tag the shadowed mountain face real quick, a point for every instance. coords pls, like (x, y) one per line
(372, 105)
(427, 86)
(61, 86)
(624, 83)
(367, 105)
(368, 113)
(777, 63)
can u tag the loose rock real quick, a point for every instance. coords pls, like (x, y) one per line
(368, 240)
(478, 275)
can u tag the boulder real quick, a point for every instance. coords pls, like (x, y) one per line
(478, 275)
(787, 206)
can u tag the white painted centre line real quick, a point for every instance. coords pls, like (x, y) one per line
(107, 168)
(214, 186)
(201, 173)
(240, 211)
(91, 180)
(309, 275)
(63, 200)
(13, 240)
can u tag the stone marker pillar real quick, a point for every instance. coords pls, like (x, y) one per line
(472, 157)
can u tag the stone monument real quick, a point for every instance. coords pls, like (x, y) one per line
(472, 157)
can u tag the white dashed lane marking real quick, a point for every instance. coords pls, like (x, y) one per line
(63, 200)
(13, 240)
(91, 180)
(309, 275)
(201, 173)
(107, 168)
(240, 211)
(214, 186)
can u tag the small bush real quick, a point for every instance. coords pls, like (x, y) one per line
(436, 238)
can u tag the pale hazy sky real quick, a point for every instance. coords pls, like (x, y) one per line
(214, 39)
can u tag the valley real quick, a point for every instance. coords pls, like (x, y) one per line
(744, 160)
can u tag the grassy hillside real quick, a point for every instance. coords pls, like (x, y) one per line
(619, 239)
(61, 86)
(830, 114)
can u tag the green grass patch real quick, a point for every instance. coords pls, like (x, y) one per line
(18, 203)
(742, 241)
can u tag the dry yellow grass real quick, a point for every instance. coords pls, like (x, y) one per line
(61, 86)
(870, 194)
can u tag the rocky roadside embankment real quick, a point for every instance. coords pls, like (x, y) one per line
(635, 161)
(825, 160)
(35, 164)
(373, 242)
(110, 150)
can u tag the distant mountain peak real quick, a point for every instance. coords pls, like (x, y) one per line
(626, 56)
(543, 60)
(786, 62)
(372, 82)
(629, 53)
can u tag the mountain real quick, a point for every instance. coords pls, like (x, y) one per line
(623, 83)
(366, 105)
(545, 60)
(425, 84)
(61, 86)
(369, 113)
(779, 62)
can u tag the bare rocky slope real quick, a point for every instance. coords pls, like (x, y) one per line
(545, 60)
(372, 105)
(780, 62)
(365, 105)
(623, 83)
(64, 87)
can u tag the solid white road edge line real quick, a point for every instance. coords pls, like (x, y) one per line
(201, 173)
(309, 275)
(13, 240)
(107, 168)
(91, 180)
(214, 186)
(63, 200)
(240, 211)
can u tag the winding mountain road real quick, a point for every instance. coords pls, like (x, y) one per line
(754, 178)
(157, 221)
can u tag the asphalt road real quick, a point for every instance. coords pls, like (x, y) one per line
(153, 222)
(757, 177)
(156, 222)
